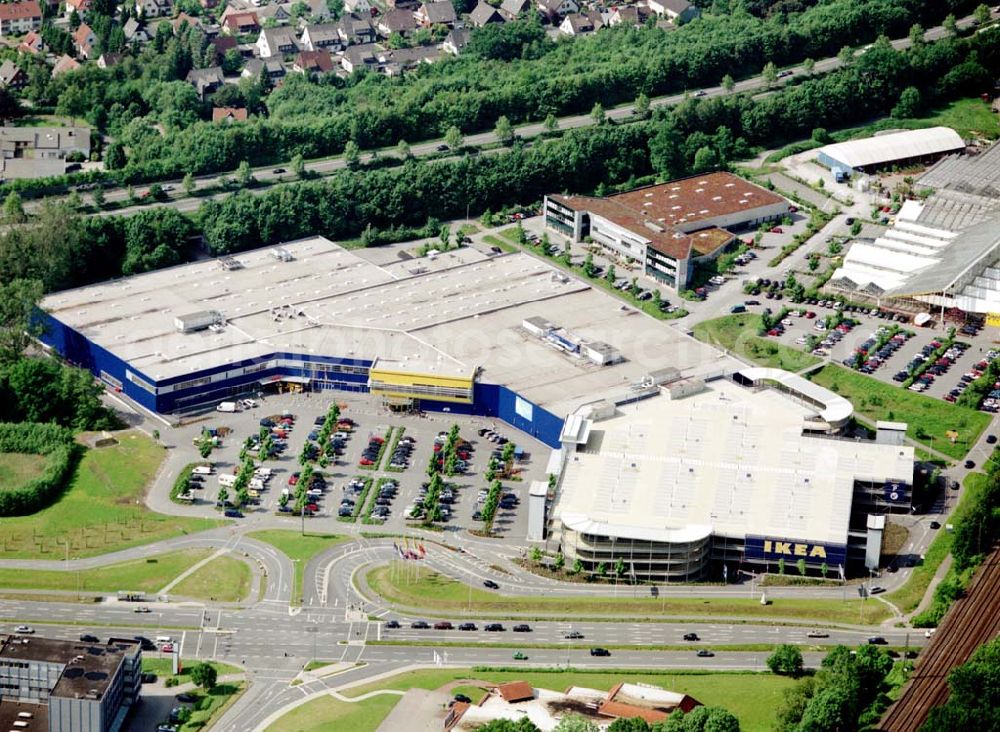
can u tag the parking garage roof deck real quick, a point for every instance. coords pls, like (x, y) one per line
(328, 301)
(727, 461)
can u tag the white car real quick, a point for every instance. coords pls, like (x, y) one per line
(27, 629)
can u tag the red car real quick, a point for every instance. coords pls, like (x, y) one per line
(376, 438)
(167, 648)
(293, 479)
(777, 230)
(365, 461)
(312, 507)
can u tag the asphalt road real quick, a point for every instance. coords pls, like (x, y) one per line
(328, 166)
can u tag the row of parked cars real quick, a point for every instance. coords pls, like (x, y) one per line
(383, 501)
(991, 400)
(938, 368)
(400, 458)
(369, 456)
(868, 361)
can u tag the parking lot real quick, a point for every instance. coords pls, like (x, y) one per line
(295, 418)
(805, 325)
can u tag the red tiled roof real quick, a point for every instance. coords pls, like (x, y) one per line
(237, 114)
(309, 60)
(21, 10)
(618, 709)
(688, 200)
(515, 691)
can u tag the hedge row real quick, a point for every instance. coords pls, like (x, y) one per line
(52, 441)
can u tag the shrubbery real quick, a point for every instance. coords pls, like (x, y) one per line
(52, 441)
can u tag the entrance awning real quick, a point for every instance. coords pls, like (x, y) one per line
(286, 379)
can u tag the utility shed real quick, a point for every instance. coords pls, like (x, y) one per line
(879, 151)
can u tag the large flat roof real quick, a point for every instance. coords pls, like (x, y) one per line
(726, 461)
(328, 301)
(892, 146)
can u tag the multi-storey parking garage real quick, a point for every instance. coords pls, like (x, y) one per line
(740, 475)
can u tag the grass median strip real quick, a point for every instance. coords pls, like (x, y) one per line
(224, 579)
(299, 548)
(417, 587)
(738, 334)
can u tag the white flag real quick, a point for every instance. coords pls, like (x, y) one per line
(840, 567)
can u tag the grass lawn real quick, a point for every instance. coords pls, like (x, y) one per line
(224, 579)
(326, 713)
(141, 575)
(927, 417)
(738, 334)
(161, 667)
(101, 510)
(435, 592)
(211, 704)
(908, 597)
(300, 549)
(753, 697)
(497, 242)
(17, 468)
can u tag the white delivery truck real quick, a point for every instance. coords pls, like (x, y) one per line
(226, 407)
(227, 481)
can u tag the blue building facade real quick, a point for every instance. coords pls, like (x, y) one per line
(189, 391)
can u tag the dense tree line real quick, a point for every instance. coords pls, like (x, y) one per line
(378, 204)
(316, 118)
(847, 693)
(700, 719)
(43, 390)
(974, 698)
(56, 444)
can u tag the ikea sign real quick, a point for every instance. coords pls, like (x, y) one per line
(770, 549)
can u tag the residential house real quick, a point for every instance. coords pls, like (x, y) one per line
(321, 36)
(513, 9)
(84, 40)
(438, 12)
(31, 43)
(63, 64)
(107, 60)
(34, 152)
(456, 41)
(18, 18)
(484, 14)
(155, 8)
(677, 11)
(396, 21)
(277, 42)
(229, 114)
(80, 6)
(410, 5)
(183, 19)
(221, 44)
(394, 62)
(275, 12)
(240, 23)
(355, 30)
(627, 15)
(358, 57)
(358, 7)
(135, 32)
(318, 10)
(11, 76)
(576, 24)
(271, 67)
(313, 63)
(205, 81)
(554, 10)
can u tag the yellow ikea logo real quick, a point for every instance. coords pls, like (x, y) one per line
(792, 549)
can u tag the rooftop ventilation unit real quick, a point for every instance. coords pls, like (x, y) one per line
(282, 254)
(230, 263)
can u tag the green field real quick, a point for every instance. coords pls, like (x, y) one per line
(17, 468)
(435, 592)
(224, 579)
(142, 575)
(326, 713)
(750, 696)
(300, 549)
(928, 418)
(494, 241)
(101, 510)
(738, 334)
